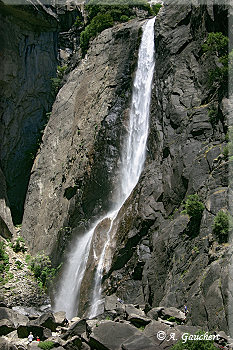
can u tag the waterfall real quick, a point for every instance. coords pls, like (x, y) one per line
(133, 157)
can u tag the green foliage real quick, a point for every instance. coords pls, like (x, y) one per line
(221, 226)
(124, 18)
(156, 8)
(102, 14)
(100, 22)
(42, 269)
(18, 245)
(46, 345)
(195, 344)
(4, 258)
(217, 43)
(194, 208)
(56, 82)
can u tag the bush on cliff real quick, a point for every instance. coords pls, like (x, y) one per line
(194, 208)
(221, 226)
(103, 15)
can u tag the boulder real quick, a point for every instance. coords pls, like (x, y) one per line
(139, 343)
(111, 335)
(73, 344)
(153, 314)
(112, 303)
(76, 328)
(173, 312)
(60, 318)
(3, 344)
(13, 316)
(6, 326)
(46, 320)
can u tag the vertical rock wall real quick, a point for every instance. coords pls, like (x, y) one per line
(28, 61)
(157, 261)
(74, 172)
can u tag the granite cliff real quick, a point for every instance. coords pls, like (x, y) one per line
(158, 259)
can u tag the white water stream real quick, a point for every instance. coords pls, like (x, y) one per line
(133, 157)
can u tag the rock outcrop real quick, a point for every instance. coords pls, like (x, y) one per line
(74, 172)
(156, 259)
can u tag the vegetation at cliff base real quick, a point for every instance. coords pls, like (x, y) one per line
(42, 269)
(4, 258)
(195, 344)
(46, 345)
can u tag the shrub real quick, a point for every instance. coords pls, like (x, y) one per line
(194, 208)
(18, 245)
(156, 8)
(100, 22)
(4, 258)
(46, 345)
(42, 269)
(217, 43)
(56, 82)
(124, 18)
(221, 226)
(195, 344)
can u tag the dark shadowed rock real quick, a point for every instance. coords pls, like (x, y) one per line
(6, 326)
(78, 328)
(73, 343)
(46, 320)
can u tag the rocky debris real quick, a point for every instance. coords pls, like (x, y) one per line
(99, 333)
(19, 289)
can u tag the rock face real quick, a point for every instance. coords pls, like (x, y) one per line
(73, 174)
(6, 224)
(28, 61)
(156, 260)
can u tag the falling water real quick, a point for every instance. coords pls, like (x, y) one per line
(133, 157)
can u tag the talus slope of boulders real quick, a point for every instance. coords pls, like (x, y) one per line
(119, 327)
